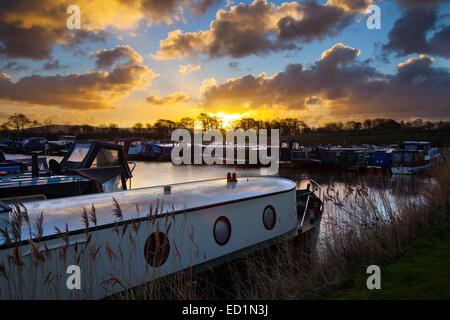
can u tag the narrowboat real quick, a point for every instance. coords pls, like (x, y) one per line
(139, 149)
(409, 162)
(132, 147)
(89, 167)
(120, 240)
(330, 155)
(379, 161)
(352, 160)
(292, 154)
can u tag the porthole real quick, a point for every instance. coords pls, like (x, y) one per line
(269, 217)
(222, 230)
(156, 249)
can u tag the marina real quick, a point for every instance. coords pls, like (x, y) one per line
(188, 214)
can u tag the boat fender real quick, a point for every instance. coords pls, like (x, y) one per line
(167, 189)
(231, 178)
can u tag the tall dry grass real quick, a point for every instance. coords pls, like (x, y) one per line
(367, 227)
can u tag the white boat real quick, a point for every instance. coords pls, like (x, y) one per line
(124, 239)
(409, 162)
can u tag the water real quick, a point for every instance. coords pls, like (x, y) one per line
(334, 182)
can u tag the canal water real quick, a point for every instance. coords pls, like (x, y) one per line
(336, 183)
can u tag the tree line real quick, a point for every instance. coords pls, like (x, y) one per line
(19, 125)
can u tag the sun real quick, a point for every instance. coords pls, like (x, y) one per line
(226, 119)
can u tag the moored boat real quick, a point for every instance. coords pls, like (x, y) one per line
(89, 167)
(123, 239)
(409, 162)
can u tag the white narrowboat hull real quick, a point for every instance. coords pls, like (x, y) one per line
(111, 252)
(409, 170)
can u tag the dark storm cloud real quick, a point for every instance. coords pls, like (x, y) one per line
(105, 59)
(410, 34)
(259, 28)
(30, 28)
(422, 2)
(92, 90)
(13, 66)
(318, 21)
(54, 65)
(200, 7)
(344, 86)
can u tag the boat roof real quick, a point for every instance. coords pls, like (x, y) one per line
(129, 140)
(27, 180)
(136, 204)
(417, 142)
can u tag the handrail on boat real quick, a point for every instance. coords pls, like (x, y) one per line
(317, 186)
(304, 212)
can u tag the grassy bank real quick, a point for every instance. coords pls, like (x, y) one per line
(422, 272)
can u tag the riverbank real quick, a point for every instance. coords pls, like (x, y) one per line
(422, 272)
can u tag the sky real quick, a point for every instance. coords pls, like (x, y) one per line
(142, 60)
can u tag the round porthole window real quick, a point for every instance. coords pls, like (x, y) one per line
(269, 217)
(222, 230)
(156, 249)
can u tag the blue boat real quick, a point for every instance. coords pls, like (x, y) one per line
(379, 161)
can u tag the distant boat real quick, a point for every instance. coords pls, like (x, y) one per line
(132, 147)
(414, 157)
(409, 162)
(379, 161)
(139, 149)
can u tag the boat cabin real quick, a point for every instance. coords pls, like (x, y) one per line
(89, 167)
(292, 151)
(132, 146)
(415, 146)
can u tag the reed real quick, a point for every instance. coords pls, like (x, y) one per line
(361, 227)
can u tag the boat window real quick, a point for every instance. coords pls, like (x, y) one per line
(296, 146)
(408, 157)
(79, 152)
(135, 144)
(410, 147)
(397, 157)
(284, 145)
(106, 158)
(121, 143)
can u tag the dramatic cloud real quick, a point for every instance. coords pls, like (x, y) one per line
(421, 2)
(233, 65)
(410, 34)
(186, 69)
(171, 99)
(105, 59)
(13, 66)
(341, 85)
(30, 28)
(352, 5)
(92, 90)
(260, 28)
(200, 7)
(54, 65)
